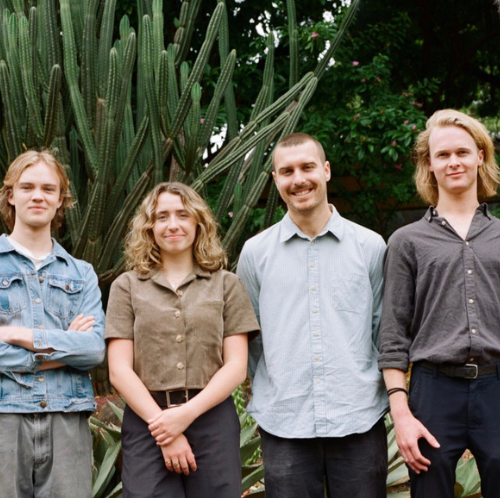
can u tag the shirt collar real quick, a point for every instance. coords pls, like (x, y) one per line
(157, 276)
(57, 250)
(335, 226)
(432, 212)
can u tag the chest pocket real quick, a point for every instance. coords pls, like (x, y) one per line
(351, 293)
(64, 296)
(12, 294)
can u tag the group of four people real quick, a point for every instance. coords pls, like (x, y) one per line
(308, 294)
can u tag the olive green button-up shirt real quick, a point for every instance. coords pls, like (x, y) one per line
(178, 334)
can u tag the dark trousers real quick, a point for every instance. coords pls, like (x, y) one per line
(461, 414)
(214, 438)
(353, 466)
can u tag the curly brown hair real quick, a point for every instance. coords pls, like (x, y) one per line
(141, 250)
(17, 167)
(489, 173)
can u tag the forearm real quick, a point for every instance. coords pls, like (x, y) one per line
(21, 337)
(395, 378)
(220, 387)
(135, 393)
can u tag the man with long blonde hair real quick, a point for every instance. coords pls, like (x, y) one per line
(442, 312)
(51, 334)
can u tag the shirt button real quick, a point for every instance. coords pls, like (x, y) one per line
(180, 365)
(473, 330)
(38, 301)
(315, 334)
(67, 287)
(312, 243)
(179, 293)
(318, 381)
(41, 327)
(178, 338)
(40, 279)
(39, 357)
(316, 358)
(471, 301)
(313, 288)
(314, 311)
(434, 213)
(177, 314)
(471, 359)
(312, 265)
(429, 218)
(443, 223)
(5, 282)
(41, 379)
(469, 271)
(43, 404)
(467, 243)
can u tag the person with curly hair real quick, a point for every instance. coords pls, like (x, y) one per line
(177, 326)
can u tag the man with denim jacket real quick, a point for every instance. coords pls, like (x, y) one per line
(51, 333)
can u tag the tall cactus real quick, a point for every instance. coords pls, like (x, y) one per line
(125, 113)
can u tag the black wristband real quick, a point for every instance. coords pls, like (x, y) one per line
(397, 389)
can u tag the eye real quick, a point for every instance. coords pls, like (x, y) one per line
(161, 218)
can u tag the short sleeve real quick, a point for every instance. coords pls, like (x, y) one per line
(120, 315)
(239, 315)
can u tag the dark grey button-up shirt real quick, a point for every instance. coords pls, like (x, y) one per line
(442, 293)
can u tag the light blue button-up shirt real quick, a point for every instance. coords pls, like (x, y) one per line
(314, 367)
(47, 301)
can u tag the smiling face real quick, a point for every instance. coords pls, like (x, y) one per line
(174, 229)
(454, 160)
(301, 175)
(36, 196)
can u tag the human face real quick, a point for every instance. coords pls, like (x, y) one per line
(174, 229)
(454, 159)
(36, 197)
(301, 175)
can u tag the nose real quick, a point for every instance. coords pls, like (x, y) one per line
(454, 160)
(173, 223)
(298, 178)
(37, 194)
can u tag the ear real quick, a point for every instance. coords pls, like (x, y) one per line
(10, 197)
(480, 154)
(328, 173)
(429, 164)
(274, 176)
(60, 201)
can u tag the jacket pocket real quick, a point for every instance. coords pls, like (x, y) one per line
(12, 294)
(64, 296)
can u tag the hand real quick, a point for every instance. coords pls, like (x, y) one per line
(82, 323)
(169, 424)
(178, 456)
(408, 431)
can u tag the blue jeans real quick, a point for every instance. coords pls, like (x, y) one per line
(461, 414)
(45, 455)
(353, 466)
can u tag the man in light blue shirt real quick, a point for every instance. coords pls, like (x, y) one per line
(315, 280)
(51, 333)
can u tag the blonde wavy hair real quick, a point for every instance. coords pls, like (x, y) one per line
(17, 167)
(488, 173)
(141, 250)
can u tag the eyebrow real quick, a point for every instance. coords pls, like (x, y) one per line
(46, 184)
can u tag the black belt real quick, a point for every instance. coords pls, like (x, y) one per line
(468, 370)
(176, 397)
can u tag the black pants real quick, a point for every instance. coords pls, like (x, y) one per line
(461, 414)
(348, 467)
(214, 438)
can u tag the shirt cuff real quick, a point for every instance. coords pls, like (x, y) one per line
(40, 340)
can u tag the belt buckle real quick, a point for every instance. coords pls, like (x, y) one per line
(475, 372)
(172, 405)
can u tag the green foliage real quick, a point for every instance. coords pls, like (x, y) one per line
(369, 138)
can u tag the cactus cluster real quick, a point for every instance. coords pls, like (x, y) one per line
(123, 114)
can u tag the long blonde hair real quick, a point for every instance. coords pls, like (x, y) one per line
(488, 174)
(141, 250)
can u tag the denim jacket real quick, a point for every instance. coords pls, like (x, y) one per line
(47, 301)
